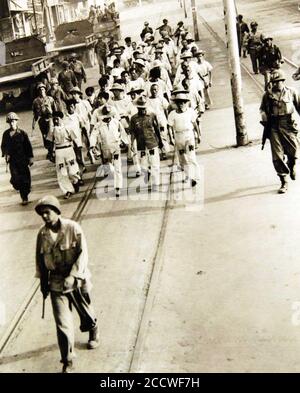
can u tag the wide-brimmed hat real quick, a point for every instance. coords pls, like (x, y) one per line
(106, 111)
(186, 55)
(117, 86)
(156, 63)
(140, 62)
(181, 97)
(141, 102)
(53, 81)
(75, 90)
(48, 201)
(135, 91)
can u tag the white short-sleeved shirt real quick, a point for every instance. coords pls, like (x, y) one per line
(182, 122)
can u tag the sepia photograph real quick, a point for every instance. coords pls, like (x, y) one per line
(148, 193)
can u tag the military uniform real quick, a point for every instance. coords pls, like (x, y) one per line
(269, 60)
(254, 45)
(59, 255)
(43, 107)
(280, 109)
(17, 150)
(79, 71)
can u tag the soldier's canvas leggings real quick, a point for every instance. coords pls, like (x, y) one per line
(62, 311)
(283, 143)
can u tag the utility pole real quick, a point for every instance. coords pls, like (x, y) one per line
(184, 8)
(235, 72)
(195, 22)
(34, 14)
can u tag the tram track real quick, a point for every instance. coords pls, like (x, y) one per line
(151, 275)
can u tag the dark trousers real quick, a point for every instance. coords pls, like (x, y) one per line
(62, 311)
(45, 128)
(254, 59)
(20, 177)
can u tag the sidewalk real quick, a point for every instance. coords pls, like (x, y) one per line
(226, 275)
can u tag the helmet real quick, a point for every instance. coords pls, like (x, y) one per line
(41, 85)
(48, 201)
(252, 24)
(73, 56)
(53, 81)
(11, 116)
(277, 76)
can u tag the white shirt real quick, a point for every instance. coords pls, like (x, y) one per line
(72, 122)
(182, 122)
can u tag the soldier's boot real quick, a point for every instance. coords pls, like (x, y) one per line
(67, 367)
(94, 339)
(284, 185)
(292, 168)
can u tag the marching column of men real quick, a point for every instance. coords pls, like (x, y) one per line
(136, 108)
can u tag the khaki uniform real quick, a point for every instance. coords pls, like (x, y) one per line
(281, 111)
(56, 260)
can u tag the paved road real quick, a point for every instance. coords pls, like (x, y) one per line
(179, 285)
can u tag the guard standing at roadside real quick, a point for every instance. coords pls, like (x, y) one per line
(17, 150)
(279, 109)
(62, 267)
(77, 67)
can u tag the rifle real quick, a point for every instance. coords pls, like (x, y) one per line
(43, 310)
(266, 132)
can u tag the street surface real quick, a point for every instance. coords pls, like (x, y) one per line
(203, 280)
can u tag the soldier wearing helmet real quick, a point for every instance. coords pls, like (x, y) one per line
(17, 151)
(62, 267)
(77, 67)
(254, 45)
(43, 106)
(269, 58)
(278, 109)
(67, 78)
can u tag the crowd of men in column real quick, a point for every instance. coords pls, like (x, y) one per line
(151, 97)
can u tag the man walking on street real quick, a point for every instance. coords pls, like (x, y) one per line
(17, 150)
(254, 45)
(278, 111)
(77, 67)
(61, 266)
(269, 59)
(43, 106)
(145, 130)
